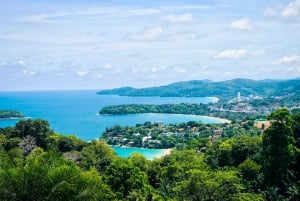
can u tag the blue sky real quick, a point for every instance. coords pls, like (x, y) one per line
(72, 44)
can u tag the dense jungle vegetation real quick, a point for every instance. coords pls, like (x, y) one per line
(38, 164)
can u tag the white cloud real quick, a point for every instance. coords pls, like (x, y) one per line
(185, 7)
(148, 11)
(180, 70)
(288, 59)
(292, 9)
(107, 66)
(149, 34)
(288, 11)
(223, 6)
(182, 35)
(153, 69)
(234, 54)
(90, 11)
(81, 73)
(158, 34)
(179, 18)
(29, 72)
(241, 24)
(20, 62)
(14, 69)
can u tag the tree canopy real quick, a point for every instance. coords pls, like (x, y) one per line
(38, 164)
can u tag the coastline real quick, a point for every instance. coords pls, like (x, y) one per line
(149, 154)
(14, 118)
(222, 120)
(218, 118)
(164, 153)
(11, 118)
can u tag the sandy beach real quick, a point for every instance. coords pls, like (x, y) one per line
(164, 152)
(219, 119)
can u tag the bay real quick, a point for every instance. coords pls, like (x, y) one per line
(75, 112)
(148, 153)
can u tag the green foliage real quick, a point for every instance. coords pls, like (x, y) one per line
(249, 169)
(66, 143)
(139, 161)
(233, 151)
(248, 197)
(12, 158)
(279, 150)
(97, 155)
(209, 185)
(182, 108)
(4, 114)
(124, 178)
(37, 128)
(47, 177)
(240, 167)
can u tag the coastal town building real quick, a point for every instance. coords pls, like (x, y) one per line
(262, 123)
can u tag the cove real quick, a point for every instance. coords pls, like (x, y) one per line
(75, 112)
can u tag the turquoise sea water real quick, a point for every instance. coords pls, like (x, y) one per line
(148, 153)
(75, 112)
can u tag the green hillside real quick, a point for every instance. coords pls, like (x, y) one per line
(204, 88)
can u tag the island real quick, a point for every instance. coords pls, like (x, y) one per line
(10, 114)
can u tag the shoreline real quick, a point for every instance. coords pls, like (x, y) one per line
(218, 118)
(222, 120)
(14, 118)
(11, 118)
(209, 117)
(149, 154)
(165, 152)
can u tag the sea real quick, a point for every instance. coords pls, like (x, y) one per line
(77, 112)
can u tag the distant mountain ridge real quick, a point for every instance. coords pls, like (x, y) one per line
(205, 88)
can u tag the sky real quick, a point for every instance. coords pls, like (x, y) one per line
(100, 44)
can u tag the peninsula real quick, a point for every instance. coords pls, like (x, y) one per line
(183, 108)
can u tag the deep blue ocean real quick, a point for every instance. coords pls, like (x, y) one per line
(75, 112)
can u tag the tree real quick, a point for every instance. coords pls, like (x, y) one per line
(124, 178)
(243, 147)
(98, 154)
(209, 185)
(65, 144)
(250, 171)
(27, 144)
(139, 161)
(248, 197)
(37, 128)
(279, 151)
(169, 176)
(233, 151)
(46, 176)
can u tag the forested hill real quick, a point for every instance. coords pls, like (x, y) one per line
(205, 88)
